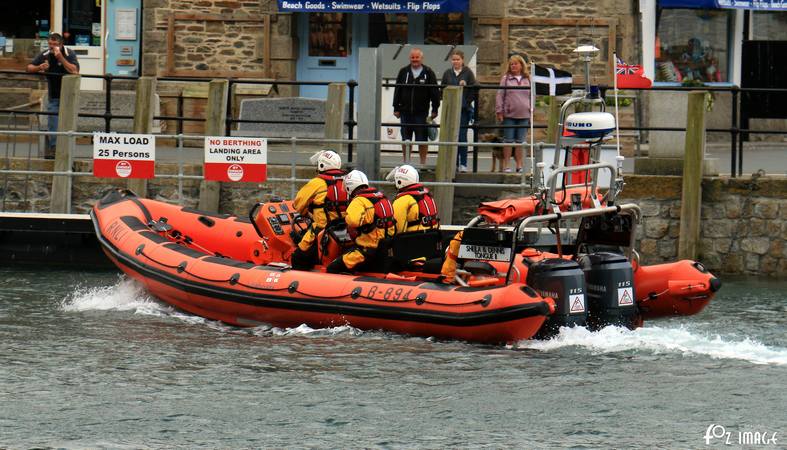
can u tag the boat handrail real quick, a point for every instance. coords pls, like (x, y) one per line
(552, 180)
(630, 208)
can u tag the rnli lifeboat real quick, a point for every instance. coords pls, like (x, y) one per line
(235, 270)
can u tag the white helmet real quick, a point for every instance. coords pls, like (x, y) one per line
(326, 160)
(354, 180)
(403, 176)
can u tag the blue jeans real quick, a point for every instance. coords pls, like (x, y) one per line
(515, 135)
(464, 121)
(52, 106)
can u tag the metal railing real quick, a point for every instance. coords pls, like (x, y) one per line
(736, 131)
(7, 173)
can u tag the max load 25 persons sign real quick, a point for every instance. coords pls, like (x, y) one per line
(124, 155)
(236, 159)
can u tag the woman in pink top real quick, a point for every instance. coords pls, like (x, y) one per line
(513, 110)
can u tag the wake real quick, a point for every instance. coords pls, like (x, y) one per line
(660, 340)
(128, 295)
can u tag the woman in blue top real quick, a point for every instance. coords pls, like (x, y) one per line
(461, 75)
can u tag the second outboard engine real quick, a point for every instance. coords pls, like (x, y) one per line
(610, 286)
(564, 281)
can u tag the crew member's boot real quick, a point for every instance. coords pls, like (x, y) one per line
(337, 266)
(300, 260)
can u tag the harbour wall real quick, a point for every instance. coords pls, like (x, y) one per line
(743, 231)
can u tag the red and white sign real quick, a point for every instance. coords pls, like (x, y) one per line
(118, 155)
(236, 159)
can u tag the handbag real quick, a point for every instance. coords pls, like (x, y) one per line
(431, 131)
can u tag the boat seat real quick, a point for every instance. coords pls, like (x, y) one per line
(479, 268)
(417, 245)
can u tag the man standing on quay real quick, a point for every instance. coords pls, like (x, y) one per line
(411, 101)
(55, 62)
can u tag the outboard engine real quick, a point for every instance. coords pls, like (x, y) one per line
(564, 281)
(609, 279)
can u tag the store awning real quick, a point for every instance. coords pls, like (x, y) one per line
(368, 7)
(760, 5)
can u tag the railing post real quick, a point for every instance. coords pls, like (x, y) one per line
(691, 197)
(734, 131)
(553, 113)
(108, 103)
(450, 118)
(351, 85)
(474, 127)
(218, 91)
(334, 114)
(144, 109)
(67, 121)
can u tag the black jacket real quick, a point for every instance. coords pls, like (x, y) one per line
(415, 100)
(469, 95)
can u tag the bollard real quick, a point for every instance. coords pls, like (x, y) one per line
(144, 108)
(218, 92)
(334, 115)
(60, 201)
(450, 116)
(691, 196)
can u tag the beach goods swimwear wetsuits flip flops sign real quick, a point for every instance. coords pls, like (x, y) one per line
(118, 155)
(236, 159)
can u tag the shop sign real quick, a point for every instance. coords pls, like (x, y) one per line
(118, 155)
(236, 159)
(367, 6)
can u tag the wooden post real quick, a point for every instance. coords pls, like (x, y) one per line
(216, 113)
(691, 197)
(552, 118)
(144, 109)
(334, 114)
(450, 117)
(60, 201)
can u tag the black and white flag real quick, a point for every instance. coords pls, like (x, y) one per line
(551, 81)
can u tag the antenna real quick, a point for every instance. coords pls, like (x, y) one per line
(586, 53)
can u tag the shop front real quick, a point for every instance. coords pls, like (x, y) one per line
(702, 41)
(104, 34)
(331, 33)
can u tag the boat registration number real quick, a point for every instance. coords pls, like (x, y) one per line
(484, 252)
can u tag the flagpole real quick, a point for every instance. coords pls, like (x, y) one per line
(615, 84)
(532, 119)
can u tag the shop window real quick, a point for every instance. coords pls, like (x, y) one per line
(30, 21)
(444, 29)
(387, 29)
(82, 22)
(329, 34)
(693, 45)
(769, 26)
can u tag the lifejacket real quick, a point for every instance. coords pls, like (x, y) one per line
(427, 208)
(336, 198)
(383, 211)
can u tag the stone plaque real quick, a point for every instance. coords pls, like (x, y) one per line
(292, 110)
(123, 103)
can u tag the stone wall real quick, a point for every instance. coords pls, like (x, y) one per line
(217, 46)
(744, 222)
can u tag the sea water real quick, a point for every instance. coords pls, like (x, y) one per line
(90, 360)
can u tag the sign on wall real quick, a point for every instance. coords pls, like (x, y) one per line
(124, 155)
(371, 6)
(236, 159)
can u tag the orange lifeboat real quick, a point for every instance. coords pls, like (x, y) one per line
(236, 270)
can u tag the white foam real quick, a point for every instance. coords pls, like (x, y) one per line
(125, 295)
(662, 340)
